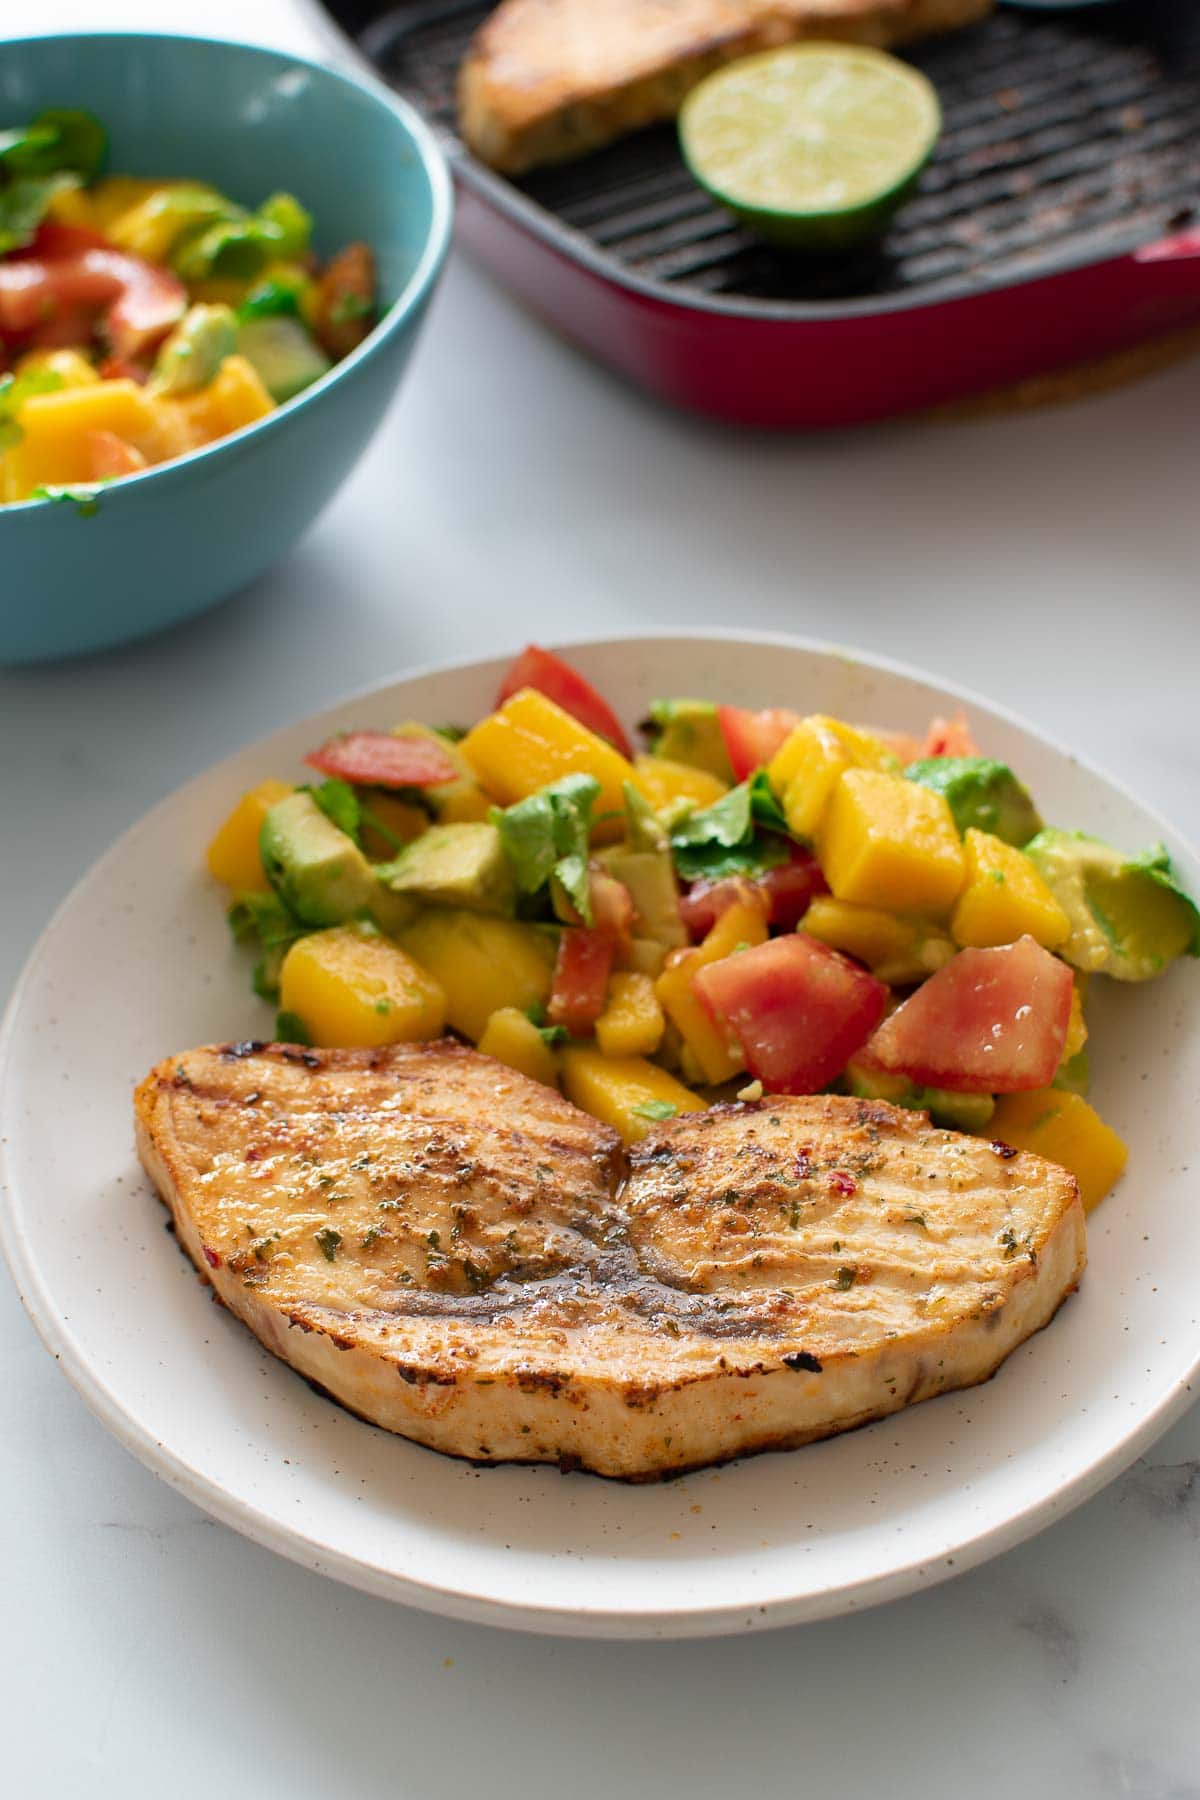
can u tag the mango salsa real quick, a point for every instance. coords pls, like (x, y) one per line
(632, 1021)
(351, 986)
(179, 313)
(887, 843)
(626, 1092)
(934, 963)
(1063, 1128)
(1005, 898)
(233, 855)
(482, 962)
(530, 741)
(512, 1038)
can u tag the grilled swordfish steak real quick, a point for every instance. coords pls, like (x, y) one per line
(546, 80)
(460, 1255)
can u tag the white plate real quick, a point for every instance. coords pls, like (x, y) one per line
(138, 963)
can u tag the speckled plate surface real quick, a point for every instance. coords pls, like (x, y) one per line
(138, 963)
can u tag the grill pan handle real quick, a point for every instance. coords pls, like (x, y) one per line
(1183, 247)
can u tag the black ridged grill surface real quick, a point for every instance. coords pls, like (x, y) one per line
(1066, 137)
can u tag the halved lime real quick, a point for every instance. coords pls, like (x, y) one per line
(814, 145)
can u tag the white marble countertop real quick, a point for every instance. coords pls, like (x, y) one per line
(517, 491)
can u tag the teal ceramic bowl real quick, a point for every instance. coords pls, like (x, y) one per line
(158, 547)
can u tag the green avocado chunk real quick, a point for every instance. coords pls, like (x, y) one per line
(1129, 916)
(317, 871)
(689, 732)
(1075, 1076)
(454, 865)
(285, 356)
(980, 793)
(192, 356)
(953, 1111)
(452, 801)
(643, 862)
(650, 877)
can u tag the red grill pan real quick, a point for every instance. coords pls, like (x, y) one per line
(1057, 222)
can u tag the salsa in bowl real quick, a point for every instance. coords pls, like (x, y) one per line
(238, 220)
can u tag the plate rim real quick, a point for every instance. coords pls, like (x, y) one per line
(548, 1617)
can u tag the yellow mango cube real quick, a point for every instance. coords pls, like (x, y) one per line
(887, 843)
(56, 448)
(220, 290)
(646, 956)
(116, 194)
(1077, 1031)
(632, 1021)
(73, 206)
(530, 741)
(350, 986)
(1063, 1128)
(149, 228)
(72, 368)
(234, 398)
(860, 931)
(899, 951)
(626, 1092)
(483, 963)
(1005, 898)
(716, 1056)
(400, 819)
(233, 856)
(709, 1051)
(664, 782)
(807, 766)
(739, 927)
(512, 1037)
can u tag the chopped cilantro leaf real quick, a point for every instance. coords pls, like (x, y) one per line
(85, 500)
(738, 834)
(339, 802)
(546, 839)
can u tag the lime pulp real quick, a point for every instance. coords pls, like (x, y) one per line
(813, 145)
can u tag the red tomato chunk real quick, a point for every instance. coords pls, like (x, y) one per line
(53, 292)
(799, 1010)
(558, 681)
(990, 1022)
(788, 889)
(949, 737)
(752, 738)
(585, 960)
(377, 759)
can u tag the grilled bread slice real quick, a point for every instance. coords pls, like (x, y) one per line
(459, 1255)
(547, 80)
